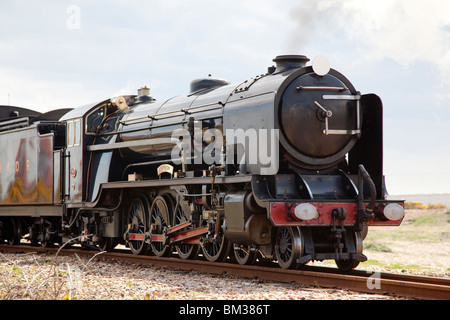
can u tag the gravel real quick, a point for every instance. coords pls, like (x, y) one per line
(42, 277)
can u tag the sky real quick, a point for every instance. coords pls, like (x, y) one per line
(58, 54)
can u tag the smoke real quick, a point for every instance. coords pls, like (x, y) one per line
(311, 17)
(404, 31)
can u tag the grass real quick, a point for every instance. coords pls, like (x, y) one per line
(395, 235)
(379, 247)
(418, 243)
(398, 266)
(422, 225)
(424, 220)
(38, 279)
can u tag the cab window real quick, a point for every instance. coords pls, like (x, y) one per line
(73, 133)
(94, 119)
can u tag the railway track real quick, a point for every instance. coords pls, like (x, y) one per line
(412, 286)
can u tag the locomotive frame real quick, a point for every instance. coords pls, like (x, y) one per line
(132, 170)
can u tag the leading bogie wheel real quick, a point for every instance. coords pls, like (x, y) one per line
(349, 264)
(245, 254)
(288, 247)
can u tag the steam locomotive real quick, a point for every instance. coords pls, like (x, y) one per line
(286, 166)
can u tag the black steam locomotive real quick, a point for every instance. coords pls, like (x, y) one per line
(286, 166)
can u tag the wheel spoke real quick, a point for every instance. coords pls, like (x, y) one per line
(160, 214)
(244, 254)
(184, 250)
(288, 247)
(136, 218)
(217, 248)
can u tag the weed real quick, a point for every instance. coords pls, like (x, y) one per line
(379, 247)
(373, 262)
(424, 220)
(403, 266)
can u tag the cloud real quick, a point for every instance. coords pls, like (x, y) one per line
(24, 90)
(51, 58)
(405, 31)
(106, 46)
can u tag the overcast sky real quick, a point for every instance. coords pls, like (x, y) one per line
(57, 54)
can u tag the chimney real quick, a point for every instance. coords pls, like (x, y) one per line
(143, 95)
(289, 62)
